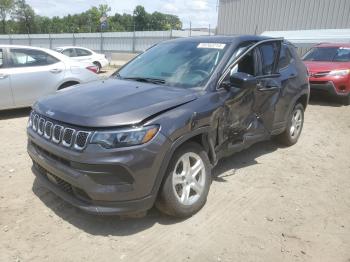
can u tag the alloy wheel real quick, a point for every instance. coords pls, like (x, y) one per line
(297, 121)
(189, 178)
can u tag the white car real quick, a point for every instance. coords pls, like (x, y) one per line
(28, 73)
(84, 54)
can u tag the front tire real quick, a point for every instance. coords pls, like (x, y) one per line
(294, 126)
(186, 185)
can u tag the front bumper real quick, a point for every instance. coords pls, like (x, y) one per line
(331, 87)
(100, 181)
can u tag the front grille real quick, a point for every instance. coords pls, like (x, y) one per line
(62, 184)
(59, 134)
(68, 137)
(41, 126)
(48, 129)
(81, 138)
(35, 122)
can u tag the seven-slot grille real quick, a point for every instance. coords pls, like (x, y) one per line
(59, 134)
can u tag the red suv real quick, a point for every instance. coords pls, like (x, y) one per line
(329, 69)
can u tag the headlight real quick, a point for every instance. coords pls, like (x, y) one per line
(339, 72)
(124, 137)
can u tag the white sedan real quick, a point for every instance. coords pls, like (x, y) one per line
(85, 55)
(28, 73)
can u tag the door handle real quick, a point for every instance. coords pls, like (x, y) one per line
(56, 71)
(266, 88)
(3, 76)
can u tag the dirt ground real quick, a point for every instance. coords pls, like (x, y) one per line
(267, 203)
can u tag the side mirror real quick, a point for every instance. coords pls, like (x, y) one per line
(242, 80)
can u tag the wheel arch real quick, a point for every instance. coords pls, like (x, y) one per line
(67, 84)
(200, 136)
(303, 99)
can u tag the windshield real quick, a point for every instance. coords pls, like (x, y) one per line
(328, 54)
(180, 64)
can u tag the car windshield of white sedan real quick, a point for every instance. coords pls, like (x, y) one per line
(178, 64)
(328, 54)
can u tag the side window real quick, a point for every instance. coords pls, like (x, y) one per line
(247, 64)
(1, 59)
(82, 52)
(285, 58)
(268, 54)
(30, 57)
(69, 52)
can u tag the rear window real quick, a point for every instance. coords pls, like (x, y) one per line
(328, 54)
(285, 58)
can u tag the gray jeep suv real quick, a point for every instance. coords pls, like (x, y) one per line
(151, 133)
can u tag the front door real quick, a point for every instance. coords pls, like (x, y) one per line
(6, 99)
(249, 112)
(34, 74)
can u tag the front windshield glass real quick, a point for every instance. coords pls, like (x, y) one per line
(180, 64)
(328, 54)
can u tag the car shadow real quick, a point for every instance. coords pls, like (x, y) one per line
(129, 225)
(14, 113)
(101, 225)
(322, 99)
(229, 165)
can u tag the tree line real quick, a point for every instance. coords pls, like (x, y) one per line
(18, 17)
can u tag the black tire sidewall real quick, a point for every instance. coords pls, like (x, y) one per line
(98, 66)
(167, 201)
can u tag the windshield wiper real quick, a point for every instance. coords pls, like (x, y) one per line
(146, 80)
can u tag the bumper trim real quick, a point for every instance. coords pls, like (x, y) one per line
(327, 87)
(111, 208)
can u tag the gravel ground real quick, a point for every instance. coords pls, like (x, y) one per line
(267, 203)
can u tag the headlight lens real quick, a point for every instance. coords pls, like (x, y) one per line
(339, 72)
(124, 138)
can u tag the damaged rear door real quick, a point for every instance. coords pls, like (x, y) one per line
(248, 113)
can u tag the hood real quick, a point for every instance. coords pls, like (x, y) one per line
(111, 103)
(319, 66)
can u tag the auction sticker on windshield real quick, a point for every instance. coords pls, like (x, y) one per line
(211, 45)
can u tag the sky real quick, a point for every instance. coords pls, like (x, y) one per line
(201, 13)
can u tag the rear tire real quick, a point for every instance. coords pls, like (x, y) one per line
(98, 65)
(186, 184)
(294, 126)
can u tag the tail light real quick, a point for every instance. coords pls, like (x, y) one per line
(92, 69)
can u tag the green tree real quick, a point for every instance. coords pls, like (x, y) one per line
(6, 7)
(25, 16)
(141, 18)
(24, 20)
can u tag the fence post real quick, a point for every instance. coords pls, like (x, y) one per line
(171, 33)
(10, 38)
(29, 40)
(101, 43)
(50, 41)
(73, 39)
(134, 42)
